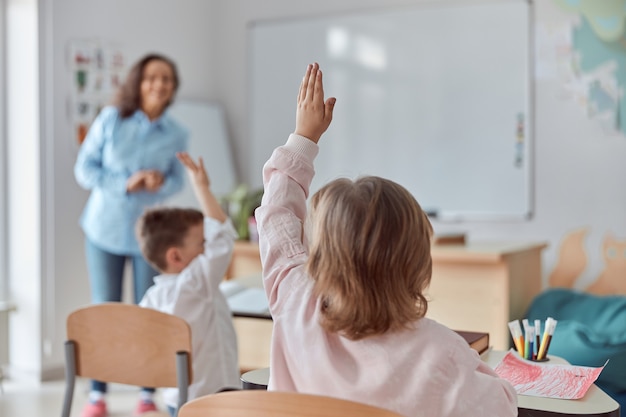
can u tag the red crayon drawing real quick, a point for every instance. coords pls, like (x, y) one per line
(545, 380)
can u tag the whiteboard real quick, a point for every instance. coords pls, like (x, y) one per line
(435, 97)
(208, 138)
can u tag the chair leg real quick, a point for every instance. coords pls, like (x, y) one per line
(70, 377)
(182, 375)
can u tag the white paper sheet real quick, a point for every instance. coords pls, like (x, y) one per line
(242, 299)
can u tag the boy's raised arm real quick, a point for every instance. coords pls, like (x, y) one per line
(202, 187)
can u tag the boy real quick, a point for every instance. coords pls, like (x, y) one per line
(192, 250)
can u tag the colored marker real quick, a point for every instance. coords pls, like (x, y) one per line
(550, 334)
(527, 341)
(544, 340)
(518, 337)
(527, 344)
(531, 341)
(537, 336)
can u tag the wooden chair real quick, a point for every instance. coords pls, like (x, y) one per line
(277, 404)
(127, 344)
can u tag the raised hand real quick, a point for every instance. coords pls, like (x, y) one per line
(197, 173)
(201, 186)
(313, 114)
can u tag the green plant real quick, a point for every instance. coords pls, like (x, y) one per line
(240, 205)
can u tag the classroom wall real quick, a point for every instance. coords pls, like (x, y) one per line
(579, 166)
(579, 163)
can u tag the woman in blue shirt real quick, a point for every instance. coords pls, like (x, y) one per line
(128, 162)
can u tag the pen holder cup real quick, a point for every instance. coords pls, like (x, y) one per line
(545, 359)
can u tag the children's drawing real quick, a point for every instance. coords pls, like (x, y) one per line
(573, 259)
(547, 380)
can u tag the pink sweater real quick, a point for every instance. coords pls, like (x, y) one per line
(427, 370)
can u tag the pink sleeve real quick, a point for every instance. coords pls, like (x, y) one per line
(287, 177)
(482, 389)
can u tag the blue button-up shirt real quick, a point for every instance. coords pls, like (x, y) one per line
(113, 150)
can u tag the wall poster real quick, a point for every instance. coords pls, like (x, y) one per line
(95, 68)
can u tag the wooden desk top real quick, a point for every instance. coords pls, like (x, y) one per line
(482, 252)
(485, 252)
(595, 402)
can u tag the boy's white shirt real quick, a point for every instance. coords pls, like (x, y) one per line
(194, 295)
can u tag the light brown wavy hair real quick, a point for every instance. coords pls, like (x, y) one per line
(369, 255)
(159, 229)
(128, 97)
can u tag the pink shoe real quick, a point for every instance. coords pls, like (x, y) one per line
(144, 406)
(97, 409)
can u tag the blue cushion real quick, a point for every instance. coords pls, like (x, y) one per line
(590, 330)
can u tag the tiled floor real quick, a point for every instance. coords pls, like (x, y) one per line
(46, 399)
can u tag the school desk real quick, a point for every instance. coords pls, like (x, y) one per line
(254, 331)
(595, 402)
(476, 287)
(483, 286)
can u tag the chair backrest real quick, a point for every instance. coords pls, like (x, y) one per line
(277, 404)
(128, 344)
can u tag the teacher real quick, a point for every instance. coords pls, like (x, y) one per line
(128, 162)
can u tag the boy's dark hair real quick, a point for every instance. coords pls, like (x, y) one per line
(128, 98)
(162, 228)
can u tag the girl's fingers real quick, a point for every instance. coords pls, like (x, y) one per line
(301, 90)
(299, 97)
(315, 90)
(329, 107)
(319, 86)
(311, 81)
(303, 84)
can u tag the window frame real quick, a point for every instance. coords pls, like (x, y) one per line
(4, 270)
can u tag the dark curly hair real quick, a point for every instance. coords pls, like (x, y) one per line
(128, 98)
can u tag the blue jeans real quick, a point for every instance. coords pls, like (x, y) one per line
(106, 276)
